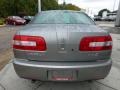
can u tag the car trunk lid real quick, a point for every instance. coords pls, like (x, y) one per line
(63, 43)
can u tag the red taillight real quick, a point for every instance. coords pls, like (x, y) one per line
(34, 43)
(96, 43)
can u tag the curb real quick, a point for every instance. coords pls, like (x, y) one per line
(100, 25)
(3, 25)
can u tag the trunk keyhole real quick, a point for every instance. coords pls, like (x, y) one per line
(72, 49)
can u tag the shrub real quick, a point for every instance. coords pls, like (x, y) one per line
(2, 21)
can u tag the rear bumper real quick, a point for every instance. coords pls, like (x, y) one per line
(40, 70)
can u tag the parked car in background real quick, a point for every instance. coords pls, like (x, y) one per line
(28, 18)
(61, 45)
(105, 18)
(112, 16)
(15, 20)
(97, 18)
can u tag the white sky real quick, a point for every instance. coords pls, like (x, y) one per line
(93, 6)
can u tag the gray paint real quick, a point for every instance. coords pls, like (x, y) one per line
(61, 36)
(62, 52)
(82, 71)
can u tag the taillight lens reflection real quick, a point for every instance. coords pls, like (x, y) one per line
(96, 43)
(24, 42)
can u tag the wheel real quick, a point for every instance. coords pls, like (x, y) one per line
(33, 81)
(14, 23)
(90, 81)
(6, 23)
(25, 23)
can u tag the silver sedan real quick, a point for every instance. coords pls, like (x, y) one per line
(62, 45)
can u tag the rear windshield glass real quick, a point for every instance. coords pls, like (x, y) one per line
(53, 17)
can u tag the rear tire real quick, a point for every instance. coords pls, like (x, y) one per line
(14, 23)
(33, 81)
(25, 23)
(6, 23)
(90, 81)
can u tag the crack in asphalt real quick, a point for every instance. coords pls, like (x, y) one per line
(2, 87)
(106, 85)
(42, 83)
(39, 84)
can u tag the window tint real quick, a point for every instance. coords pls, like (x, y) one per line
(16, 17)
(63, 17)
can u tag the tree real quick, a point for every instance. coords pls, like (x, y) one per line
(72, 7)
(101, 12)
(27, 7)
(30, 7)
(6, 7)
(15, 7)
(49, 5)
(65, 6)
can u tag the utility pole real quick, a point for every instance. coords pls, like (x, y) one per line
(114, 5)
(39, 6)
(117, 23)
(64, 4)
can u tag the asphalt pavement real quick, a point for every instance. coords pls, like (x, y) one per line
(6, 35)
(10, 81)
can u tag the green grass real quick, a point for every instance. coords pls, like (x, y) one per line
(2, 21)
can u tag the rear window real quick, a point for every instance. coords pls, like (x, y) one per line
(16, 17)
(62, 17)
